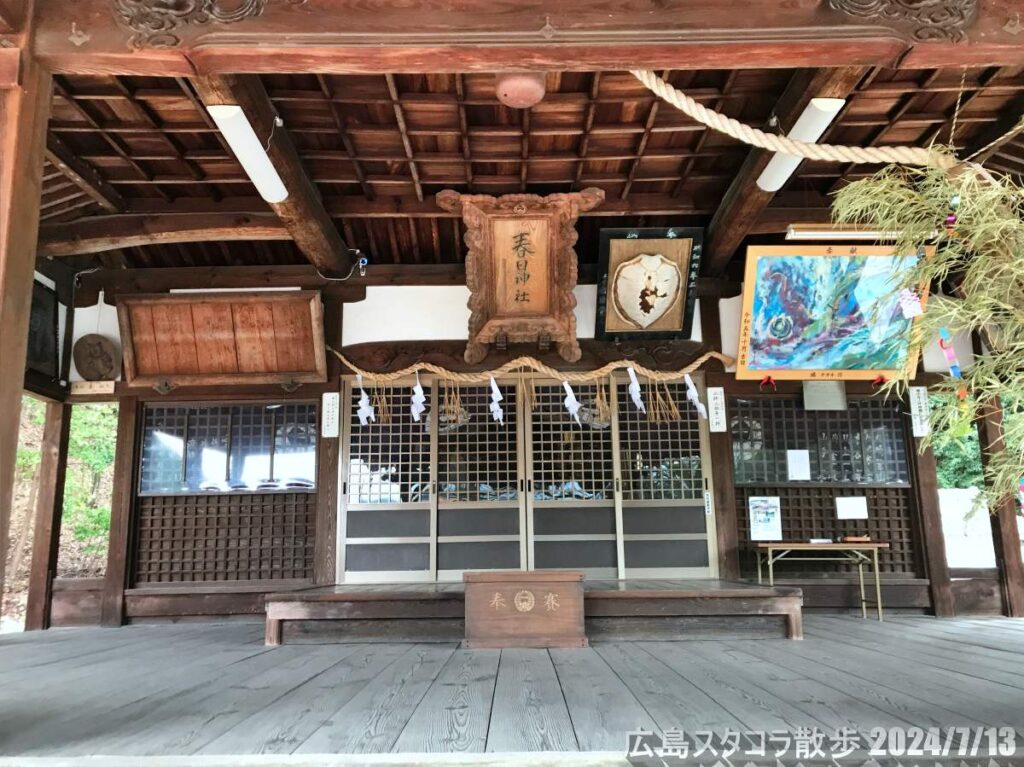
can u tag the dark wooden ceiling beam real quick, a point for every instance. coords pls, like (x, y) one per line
(579, 35)
(83, 176)
(156, 280)
(104, 233)
(744, 202)
(302, 212)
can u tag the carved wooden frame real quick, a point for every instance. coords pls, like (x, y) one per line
(559, 327)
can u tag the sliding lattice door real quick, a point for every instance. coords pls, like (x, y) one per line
(667, 527)
(572, 511)
(480, 507)
(388, 525)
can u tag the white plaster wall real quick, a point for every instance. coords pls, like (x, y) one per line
(102, 319)
(729, 310)
(430, 312)
(968, 536)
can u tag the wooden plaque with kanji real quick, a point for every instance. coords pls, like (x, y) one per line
(521, 268)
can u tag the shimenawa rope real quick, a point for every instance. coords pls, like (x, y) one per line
(906, 155)
(531, 363)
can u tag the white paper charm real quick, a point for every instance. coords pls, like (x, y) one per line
(571, 403)
(634, 391)
(910, 304)
(418, 400)
(365, 412)
(694, 397)
(496, 412)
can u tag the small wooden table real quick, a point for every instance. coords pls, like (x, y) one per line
(858, 553)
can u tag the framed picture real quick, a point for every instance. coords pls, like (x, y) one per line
(43, 353)
(648, 282)
(824, 312)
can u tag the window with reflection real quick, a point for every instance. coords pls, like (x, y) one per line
(229, 448)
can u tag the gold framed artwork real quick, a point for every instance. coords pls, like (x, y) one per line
(648, 282)
(825, 312)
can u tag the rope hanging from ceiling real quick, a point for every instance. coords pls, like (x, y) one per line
(520, 364)
(905, 155)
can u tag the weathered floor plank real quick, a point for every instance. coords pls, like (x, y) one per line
(454, 714)
(374, 718)
(284, 726)
(215, 689)
(529, 711)
(603, 709)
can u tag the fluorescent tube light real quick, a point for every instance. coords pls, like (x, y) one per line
(797, 232)
(242, 139)
(818, 115)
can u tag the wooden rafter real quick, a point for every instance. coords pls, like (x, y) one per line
(588, 126)
(745, 201)
(652, 116)
(460, 94)
(698, 150)
(998, 133)
(83, 176)
(302, 212)
(403, 130)
(341, 123)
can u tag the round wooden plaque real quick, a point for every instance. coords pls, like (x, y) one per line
(97, 358)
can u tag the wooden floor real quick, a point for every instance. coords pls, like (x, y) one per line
(215, 689)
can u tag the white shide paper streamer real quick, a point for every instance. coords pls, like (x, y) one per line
(496, 412)
(571, 403)
(634, 391)
(365, 411)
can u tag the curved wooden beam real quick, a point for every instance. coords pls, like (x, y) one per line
(103, 233)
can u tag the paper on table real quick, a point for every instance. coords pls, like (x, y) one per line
(798, 463)
(852, 508)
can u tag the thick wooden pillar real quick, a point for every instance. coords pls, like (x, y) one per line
(1005, 536)
(121, 507)
(49, 508)
(24, 111)
(926, 486)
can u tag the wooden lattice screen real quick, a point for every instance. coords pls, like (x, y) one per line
(861, 451)
(236, 537)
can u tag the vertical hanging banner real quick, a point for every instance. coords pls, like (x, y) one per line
(717, 420)
(330, 412)
(920, 411)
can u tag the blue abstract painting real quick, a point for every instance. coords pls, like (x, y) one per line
(826, 313)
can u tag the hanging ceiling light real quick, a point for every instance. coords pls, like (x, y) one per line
(239, 133)
(816, 117)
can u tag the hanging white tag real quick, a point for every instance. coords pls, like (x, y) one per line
(571, 403)
(418, 400)
(634, 391)
(694, 397)
(365, 412)
(496, 412)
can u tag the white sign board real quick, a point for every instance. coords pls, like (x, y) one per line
(707, 503)
(765, 518)
(920, 411)
(824, 395)
(330, 412)
(798, 465)
(717, 420)
(852, 508)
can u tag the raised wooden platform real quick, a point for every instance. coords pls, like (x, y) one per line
(627, 609)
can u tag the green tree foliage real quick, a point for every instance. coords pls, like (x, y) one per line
(91, 447)
(980, 256)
